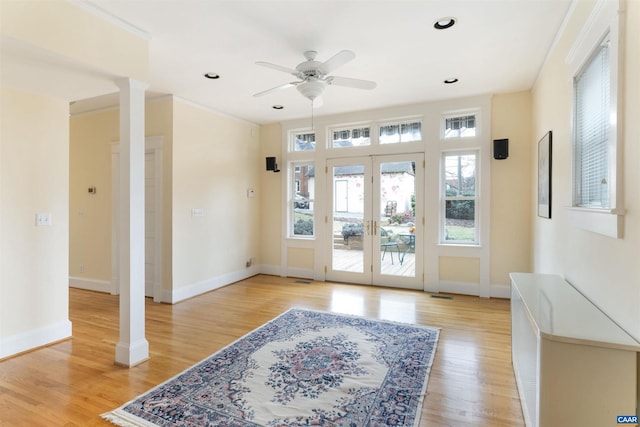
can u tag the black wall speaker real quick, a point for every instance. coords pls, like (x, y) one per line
(500, 149)
(271, 163)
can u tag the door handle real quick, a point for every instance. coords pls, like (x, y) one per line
(368, 227)
(375, 228)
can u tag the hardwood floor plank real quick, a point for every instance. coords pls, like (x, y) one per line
(72, 382)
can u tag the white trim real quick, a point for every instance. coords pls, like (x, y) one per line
(152, 144)
(90, 284)
(556, 40)
(598, 24)
(606, 19)
(107, 16)
(213, 110)
(500, 291)
(34, 338)
(605, 222)
(472, 288)
(453, 114)
(194, 289)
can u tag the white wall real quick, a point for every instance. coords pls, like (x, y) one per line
(34, 178)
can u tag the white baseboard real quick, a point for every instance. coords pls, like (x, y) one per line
(501, 291)
(34, 338)
(468, 288)
(195, 289)
(90, 284)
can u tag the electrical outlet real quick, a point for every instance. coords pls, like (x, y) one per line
(81, 268)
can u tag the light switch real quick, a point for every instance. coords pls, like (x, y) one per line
(197, 212)
(43, 219)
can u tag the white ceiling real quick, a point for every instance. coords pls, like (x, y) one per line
(496, 46)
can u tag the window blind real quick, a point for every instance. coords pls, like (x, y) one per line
(591, 162)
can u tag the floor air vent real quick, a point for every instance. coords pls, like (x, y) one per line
(441, 296)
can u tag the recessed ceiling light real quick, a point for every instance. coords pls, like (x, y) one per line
(444, 23)
(212, 76)
(278, 107)
(451, 81)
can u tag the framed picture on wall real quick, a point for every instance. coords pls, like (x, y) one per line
(544, 176)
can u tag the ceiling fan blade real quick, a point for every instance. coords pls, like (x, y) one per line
(278, 67)
(349, 82)
(273, 89)
(336, 61)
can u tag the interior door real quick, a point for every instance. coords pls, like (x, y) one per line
(376, 220)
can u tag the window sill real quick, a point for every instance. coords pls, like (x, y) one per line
(608, 222)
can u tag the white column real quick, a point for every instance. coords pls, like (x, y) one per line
(133, 347)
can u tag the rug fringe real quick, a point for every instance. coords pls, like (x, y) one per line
(122, 419)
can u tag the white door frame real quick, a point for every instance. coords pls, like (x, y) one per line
(372, 273)
(153, 144)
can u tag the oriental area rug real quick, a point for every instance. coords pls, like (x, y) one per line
(303, 368)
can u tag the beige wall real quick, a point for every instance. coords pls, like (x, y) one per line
(92, 137)
(215, 162)
(82, 38)
(511, 187)
(34, 177)
(270, 197)
(210, 161)
(459, 269)
(159, 122)
(35, 164)
(605, 269)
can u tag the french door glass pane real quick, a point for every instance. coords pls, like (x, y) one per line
(396, 234)
(348, 218)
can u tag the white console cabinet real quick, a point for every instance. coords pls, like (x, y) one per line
(573, 365)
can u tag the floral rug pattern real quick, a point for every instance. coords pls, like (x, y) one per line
(302, 368)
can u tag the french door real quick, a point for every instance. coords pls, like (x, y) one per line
(376, 220)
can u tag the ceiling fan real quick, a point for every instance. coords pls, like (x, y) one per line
(314, 76)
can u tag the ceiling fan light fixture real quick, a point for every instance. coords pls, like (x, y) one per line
(444, 23)
(312, 88)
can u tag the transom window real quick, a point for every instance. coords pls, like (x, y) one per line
(351, 137)
(460, 126)
(400, 132)
(304, 142)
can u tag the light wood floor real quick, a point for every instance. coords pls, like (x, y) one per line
(70, 383)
